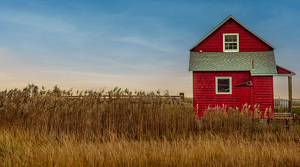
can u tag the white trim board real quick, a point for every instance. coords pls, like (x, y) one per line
(230, 84)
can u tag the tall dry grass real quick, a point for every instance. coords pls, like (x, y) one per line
(247, 120)
(95, 113)
(24, 148)
(48, 128)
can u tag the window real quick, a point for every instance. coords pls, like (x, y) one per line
(223, 85)
(231, 42)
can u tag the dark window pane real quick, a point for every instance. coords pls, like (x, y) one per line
(226, 38)
(230, 45)
(230, 38)
(223, 85)
(234, 46)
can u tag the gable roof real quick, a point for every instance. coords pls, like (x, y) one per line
(264, 62)
(224, 21)
(286, 71)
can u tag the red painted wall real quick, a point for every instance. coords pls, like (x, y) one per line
(282, 71)
(245, 95)
(263, 93)
(247, 41)
(204, 92)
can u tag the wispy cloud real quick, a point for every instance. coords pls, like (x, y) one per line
(157, 45)
(40, 21)
(92, 74)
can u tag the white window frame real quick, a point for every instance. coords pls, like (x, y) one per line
(230, 85)
(237, 41)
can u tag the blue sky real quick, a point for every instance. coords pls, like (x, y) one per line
(139, 45)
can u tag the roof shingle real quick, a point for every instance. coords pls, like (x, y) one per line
(264, 62)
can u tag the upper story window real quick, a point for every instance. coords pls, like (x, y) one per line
(231, 42)
(223, 85)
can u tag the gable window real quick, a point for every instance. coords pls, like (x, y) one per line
(223, 85)
(230, 42)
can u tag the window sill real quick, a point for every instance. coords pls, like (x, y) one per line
(230, 50)
(227, 93)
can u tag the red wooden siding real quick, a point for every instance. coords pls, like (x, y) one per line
(245, 95)
(263, 93)
(282, 71)
(204, 93)
(247, 41)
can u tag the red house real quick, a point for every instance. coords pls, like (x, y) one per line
(232, 65)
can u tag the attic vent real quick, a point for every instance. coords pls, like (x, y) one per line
(230, 23)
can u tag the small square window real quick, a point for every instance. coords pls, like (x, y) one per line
(231, 42)
(223, 85)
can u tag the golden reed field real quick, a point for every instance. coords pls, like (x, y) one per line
(96, 128)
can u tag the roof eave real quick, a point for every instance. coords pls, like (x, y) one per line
(271, 74)
(218, 26)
